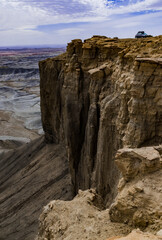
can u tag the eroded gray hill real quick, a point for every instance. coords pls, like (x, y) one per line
(31, 176)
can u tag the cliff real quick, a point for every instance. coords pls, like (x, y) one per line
(101, 95)
(101, 107)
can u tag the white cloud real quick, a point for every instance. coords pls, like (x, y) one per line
(139, 6)
(27, 14)
(97, 7)
(18, 18)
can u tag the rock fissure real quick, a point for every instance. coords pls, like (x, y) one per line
(110, 98)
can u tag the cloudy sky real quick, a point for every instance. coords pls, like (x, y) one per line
(37, 22)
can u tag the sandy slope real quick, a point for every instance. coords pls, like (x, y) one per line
(31, 176)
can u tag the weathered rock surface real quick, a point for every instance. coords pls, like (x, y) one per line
(138, 202)
(82, 218)
(159, 233)
(31, 176)
(101, 95)
(137, 235)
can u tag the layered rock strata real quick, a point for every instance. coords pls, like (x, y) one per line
(31, 176)
(101, 95)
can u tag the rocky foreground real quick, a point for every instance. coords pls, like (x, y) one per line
(137, 205)
(101, 106)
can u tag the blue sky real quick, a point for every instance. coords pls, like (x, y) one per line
(37, 22)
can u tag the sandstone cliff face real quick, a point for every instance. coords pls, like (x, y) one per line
(102, 95)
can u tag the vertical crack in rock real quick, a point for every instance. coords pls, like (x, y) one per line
(99, 96)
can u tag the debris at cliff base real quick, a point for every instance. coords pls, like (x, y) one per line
(137, 205)
(137, 235)
(82, 218)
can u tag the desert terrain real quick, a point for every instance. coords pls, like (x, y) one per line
(20, 117)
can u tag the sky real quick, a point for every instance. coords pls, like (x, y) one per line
(43, 22)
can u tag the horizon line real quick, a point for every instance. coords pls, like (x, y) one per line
(33, 46)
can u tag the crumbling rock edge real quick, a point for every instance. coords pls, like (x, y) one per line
(137, 205)
(138, 202)
(81, 218)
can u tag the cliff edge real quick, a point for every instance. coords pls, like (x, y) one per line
(102, 95)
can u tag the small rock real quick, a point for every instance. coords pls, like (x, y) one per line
(159, 233)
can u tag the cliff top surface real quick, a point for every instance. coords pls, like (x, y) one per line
(94, 51)
(147, 47)
(150, 47)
